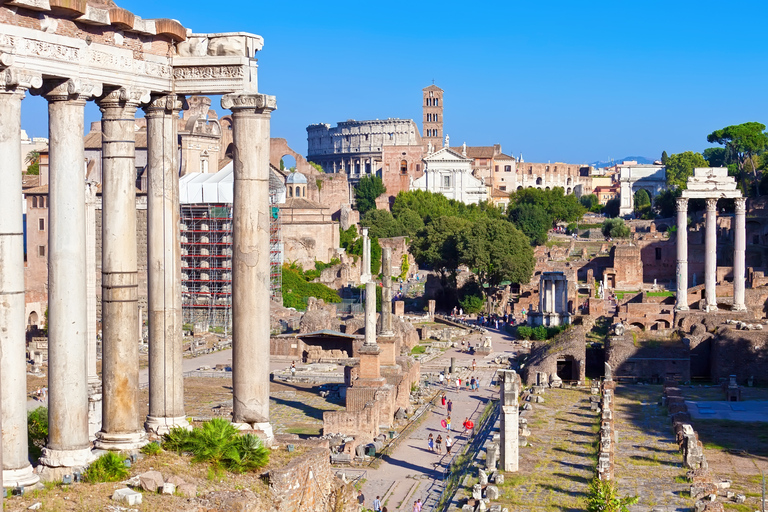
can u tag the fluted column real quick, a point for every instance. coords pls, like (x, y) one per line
(250, 259)
(739, 254)
(121, 424)
(68, 443)
(166, 380)
(682, 254)
(15, 457)
(710, 256)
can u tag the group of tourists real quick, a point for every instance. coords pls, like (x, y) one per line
(377, 503)
(495, 321)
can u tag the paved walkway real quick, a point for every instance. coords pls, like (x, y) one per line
(412, 472)
(647, 459)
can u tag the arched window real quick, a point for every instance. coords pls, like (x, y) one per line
(290, 191)
(538, 181)
(403, 167)
(436, 102)
(435, 116)
(34, 201)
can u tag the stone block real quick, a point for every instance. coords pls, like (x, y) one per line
(187, 490)
(151, 481)
(740, 498)
(477, 491)
(498, 478)
(175, 480)
(482, 477)
(128, 496)
(492, 492)
(169, 488)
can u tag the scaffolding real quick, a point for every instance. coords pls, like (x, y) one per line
(206, 259)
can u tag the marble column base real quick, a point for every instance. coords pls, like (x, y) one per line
(56, 463)
(121, 441)
(162, 426)
(739, 307)
(263, 430)
(22, 477)
(682, 308)
(710, 308)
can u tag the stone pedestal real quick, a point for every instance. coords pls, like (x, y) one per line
(389, 350)
(121, 427)
(166, 380)
(17, 471)
(68, 437)
(682, 255)
(370, 370)
(710, 256)
(250, 260)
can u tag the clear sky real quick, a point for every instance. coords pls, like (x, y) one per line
(556, 81)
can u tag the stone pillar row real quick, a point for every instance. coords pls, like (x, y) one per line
(710, 255)
(73, 383)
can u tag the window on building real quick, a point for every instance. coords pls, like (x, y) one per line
(496, 168)
(658, 253)
(446, 181)
(41, 251)
(547, 169)
(290, 191)
(503, 187)
(507, 168)
(418, 167)
(41, 224)
(403, 167)
(437, 102)
(34, 201)
(435, 118)
(755, 239)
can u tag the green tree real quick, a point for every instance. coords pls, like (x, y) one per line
(715, 157)
(318, 167)
(643, 204)
(496, 251)
(410, 221)
(558, 205)
(680, 166)
(367, 190)
(742, 142)
(603, 496)
(437, 244)
(471, 297)
(381, 224)
(616, 228)
(612, 207)
(533, 220)
(665, 202)
(33, 163)
(664, 158)
(591, 203)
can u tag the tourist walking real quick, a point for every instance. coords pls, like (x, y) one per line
(448, 444)
(441, 377)
(418, 504)
(465, 425)
(450, 407)
(474, 365)
(293, 369)
(439, 443)
(443, 399)
(377, 504)
(360, 500)
(431, 443)
(462, 345)
(458, 385)
(448, 423)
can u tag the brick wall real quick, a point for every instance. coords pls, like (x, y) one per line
(740, 353)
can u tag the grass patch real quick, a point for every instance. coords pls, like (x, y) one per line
(304, 431)
(418, 349)
(110, 467)
(682, 480)
(660, 294)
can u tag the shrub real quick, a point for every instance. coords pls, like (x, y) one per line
(151, 449)
(472, 304)
(524, 332)
(539, 333)
(603, 496)
(219, 443)
(37, 431)
(110, 467)
(615, 228)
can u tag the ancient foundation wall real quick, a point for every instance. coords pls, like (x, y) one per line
(740, 353)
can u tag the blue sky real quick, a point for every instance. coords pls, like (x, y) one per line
(556, 81)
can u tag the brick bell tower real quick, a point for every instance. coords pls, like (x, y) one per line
(433, 117)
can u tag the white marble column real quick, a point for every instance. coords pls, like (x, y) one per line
(710, 256)
(510, 419)
(166, 379)
(365, 273)
(16, 467)
(68, 443)
(94, 382)
(682, 254)
(370, 313)
(121, 423)
(386, 292)
(739, 254)
(250, 259)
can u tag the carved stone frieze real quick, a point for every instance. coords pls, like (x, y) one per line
(249, 101)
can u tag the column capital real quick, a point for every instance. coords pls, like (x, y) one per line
(13, 79)
(73, 89)
(682, 204)
(741, 205)
(262, 103)
(165, 104)
(124, 97)
(711, 204)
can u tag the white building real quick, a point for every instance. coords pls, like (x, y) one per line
(450, 173)
(633, 176)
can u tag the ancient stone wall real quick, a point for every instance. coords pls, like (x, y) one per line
(648, 360)
(400, 165)
(741, 353)
(308, 484)
(567, 346)
(399, 246)
(363, 425)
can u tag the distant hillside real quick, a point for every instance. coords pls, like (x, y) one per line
(639, 159)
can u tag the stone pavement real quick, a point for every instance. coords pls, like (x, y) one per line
(647, 459)
(412, 472)
(734, 411)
